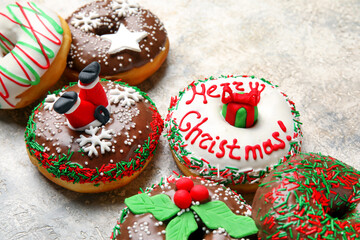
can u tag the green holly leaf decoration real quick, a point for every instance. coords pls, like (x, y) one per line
(216, 214)
(159, 205)
(181, 227)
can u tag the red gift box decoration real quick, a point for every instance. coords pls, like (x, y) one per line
(240, 109)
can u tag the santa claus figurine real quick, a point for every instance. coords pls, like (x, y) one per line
(90, 107)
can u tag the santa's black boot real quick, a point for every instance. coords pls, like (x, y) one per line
(102, 114)
(65, 102)
(90, 87)
(90, 73)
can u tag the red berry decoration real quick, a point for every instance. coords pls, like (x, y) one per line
(182, 199)
(184, 184)
(199, 193)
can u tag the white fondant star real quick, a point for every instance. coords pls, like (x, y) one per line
(124, 39)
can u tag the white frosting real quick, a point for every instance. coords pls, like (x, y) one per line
(9, 67)
(124, 39)
(272, 108)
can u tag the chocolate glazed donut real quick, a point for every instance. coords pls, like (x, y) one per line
(93, 158)
(128, 41)
(309, 197)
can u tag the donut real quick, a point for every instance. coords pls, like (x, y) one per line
(180, 208)
(94, 135)
(129, 42)
(232, 129)
(311, 196)
(34, 44)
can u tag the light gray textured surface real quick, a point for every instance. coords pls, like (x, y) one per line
(310, 48)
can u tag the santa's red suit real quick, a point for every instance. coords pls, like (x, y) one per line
(78, 116)
(93, 93)
(88, 108)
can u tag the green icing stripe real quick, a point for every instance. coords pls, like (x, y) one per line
(240, 119)
(224, 110)
(56, 26)
(20, 79)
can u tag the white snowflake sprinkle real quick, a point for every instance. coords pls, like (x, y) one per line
(127, 97)
(49, 101)
(95, 140)
(124, 7)
(87, 22)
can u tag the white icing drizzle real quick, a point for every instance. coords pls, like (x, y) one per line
(124, 39)
(95, 140)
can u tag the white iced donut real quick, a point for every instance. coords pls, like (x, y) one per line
(34, 43)
(205, 143)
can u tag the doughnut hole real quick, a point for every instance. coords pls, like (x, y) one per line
(341, 208)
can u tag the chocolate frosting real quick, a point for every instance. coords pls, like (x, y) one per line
(155, 228)
(143, 225)
(129, 128)
(88, 46)
(216, 235)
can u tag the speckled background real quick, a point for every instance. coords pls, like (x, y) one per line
(310, 48)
